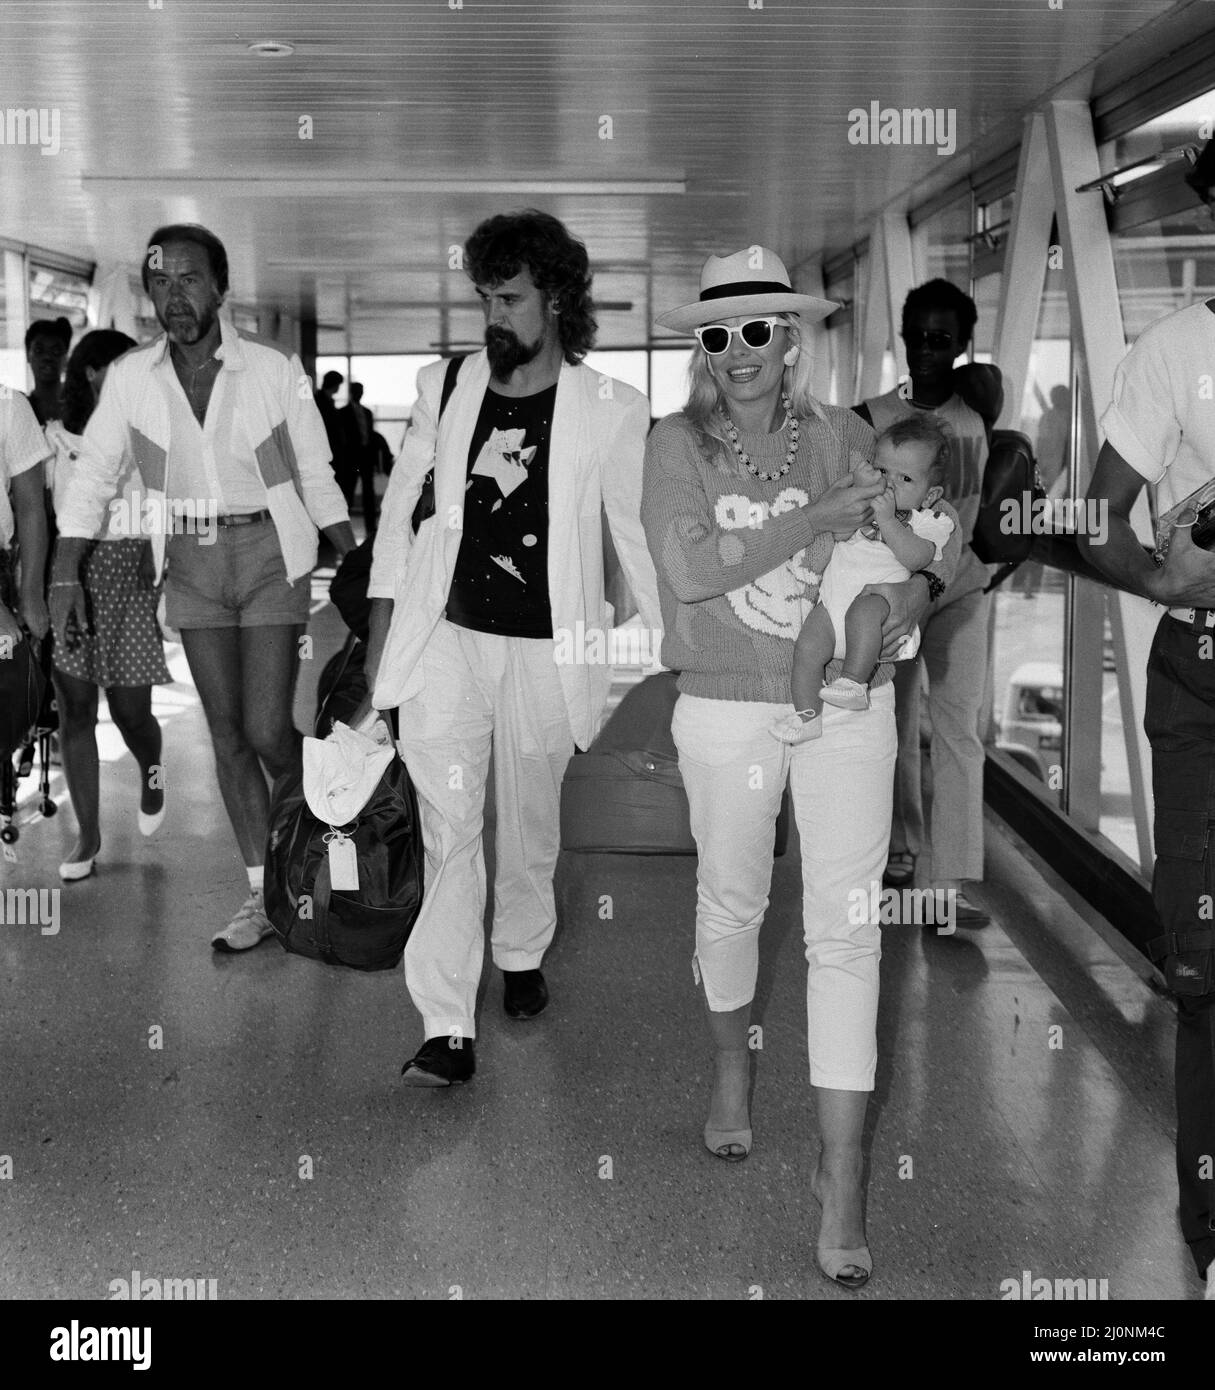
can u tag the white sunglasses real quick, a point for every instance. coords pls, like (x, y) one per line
(756, 333)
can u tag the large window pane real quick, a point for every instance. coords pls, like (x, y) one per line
(838, 340)
(58, 293)
(1163, 266)
(1168, 263)
(1029, 611)
(390, 382)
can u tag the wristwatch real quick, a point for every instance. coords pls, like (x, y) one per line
(936, 585)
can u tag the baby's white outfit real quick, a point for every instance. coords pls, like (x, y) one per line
(859, 561)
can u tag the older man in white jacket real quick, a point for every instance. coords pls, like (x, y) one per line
(233, 466)
(488, 627)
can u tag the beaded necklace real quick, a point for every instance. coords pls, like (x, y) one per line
(790, 423)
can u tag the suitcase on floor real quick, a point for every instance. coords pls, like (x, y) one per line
(624, 795)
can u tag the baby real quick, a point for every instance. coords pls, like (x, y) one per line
(906, 536)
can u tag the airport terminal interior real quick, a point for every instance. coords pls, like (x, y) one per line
(174, 1111)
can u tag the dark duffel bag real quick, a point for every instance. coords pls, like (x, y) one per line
(364, 929)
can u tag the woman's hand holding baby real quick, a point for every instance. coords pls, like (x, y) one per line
(845, 506)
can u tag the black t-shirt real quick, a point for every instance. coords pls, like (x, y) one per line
(501, 579)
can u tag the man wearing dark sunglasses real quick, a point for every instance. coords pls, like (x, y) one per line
(938, 322)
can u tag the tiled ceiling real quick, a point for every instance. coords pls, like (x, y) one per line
(744, 104)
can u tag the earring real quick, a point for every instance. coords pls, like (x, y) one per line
(792, 355)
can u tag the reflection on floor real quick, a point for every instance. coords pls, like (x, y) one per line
(1022, 1119)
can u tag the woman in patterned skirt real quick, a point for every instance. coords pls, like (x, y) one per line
(121, 651)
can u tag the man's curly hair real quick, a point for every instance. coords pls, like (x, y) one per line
(504, 245)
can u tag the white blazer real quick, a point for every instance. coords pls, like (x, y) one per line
(596, 452)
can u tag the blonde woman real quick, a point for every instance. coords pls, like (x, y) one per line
(744, 489)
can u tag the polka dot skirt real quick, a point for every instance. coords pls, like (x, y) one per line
(124, 644)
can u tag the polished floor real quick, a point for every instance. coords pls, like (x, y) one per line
(1022, 1121)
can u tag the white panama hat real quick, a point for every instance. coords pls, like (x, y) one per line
(751, 281)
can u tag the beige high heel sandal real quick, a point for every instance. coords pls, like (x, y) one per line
(834, 1260)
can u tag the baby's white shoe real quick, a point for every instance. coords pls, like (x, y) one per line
(793, 728)
(846, 694)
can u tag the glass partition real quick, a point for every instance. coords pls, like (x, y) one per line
(1029, 610)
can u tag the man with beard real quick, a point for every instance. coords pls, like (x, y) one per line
(530, 448)
(234, 463)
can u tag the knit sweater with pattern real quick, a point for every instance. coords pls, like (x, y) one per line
(738, 560)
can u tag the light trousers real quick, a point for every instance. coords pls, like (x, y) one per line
(734, 772)
(483, 693)
(954, 651)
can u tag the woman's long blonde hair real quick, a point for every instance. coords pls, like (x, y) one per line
(705, 399)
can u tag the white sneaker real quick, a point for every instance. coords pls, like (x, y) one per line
(247, 928)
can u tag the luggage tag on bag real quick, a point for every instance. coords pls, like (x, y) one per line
(343, 863)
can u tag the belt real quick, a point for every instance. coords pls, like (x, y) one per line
(188, 523)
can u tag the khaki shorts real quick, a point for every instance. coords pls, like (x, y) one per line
(236, 580)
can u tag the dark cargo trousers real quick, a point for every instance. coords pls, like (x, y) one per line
(1180, 723)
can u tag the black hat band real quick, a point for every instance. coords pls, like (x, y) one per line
(741, 287)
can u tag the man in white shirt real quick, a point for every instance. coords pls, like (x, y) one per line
(234, 462)
(1160, 431)
(23, 515)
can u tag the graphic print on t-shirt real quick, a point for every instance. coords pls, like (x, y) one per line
(501, 579)
(504, 459)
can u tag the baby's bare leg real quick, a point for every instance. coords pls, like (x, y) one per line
(863, 634)
(814, 648)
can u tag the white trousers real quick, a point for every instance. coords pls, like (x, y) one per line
(841, 786)
(483, 693)
(955, 653)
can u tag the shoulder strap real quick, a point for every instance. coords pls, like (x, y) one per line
(449, 381)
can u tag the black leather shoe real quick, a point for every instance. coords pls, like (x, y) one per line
(525, 994)
(438, 1063)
